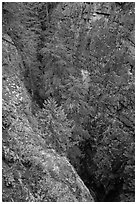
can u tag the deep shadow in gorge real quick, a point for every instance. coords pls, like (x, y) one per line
(86, 170)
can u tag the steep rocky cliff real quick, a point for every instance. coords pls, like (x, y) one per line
(68, 96)
(31, 170)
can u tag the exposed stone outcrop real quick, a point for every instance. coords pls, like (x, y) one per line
(31, 170)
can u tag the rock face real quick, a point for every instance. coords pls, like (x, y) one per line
(32, 172)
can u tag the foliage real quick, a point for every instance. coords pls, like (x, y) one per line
(55, 126)
(59, 41)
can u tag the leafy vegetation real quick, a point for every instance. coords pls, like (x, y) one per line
(79, 69)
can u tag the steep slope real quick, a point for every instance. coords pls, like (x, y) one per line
(31, 170)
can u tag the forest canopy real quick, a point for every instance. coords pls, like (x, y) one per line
(79, 69)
